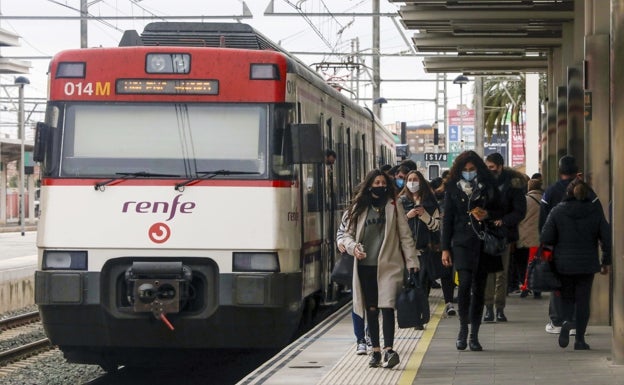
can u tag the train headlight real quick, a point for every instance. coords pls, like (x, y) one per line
(168, 63)
(264, 72)
(256, 262)
(64, 260)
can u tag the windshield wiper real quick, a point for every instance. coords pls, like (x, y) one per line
(202, 175)
(128, 175)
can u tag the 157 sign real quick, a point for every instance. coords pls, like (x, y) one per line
(436, 156)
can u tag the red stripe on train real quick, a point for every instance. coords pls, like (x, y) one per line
(167, 182)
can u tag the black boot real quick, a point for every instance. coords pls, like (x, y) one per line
(500, 315)
(461, 337)
(489, 313)
(474, 344)
(580, 344)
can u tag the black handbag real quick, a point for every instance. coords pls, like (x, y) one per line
(541, 274)
(494, 240)
(412, 304)
(342, 272)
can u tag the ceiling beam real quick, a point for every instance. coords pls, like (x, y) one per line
(485, 64)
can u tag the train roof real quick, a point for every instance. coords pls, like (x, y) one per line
(223, 35)
(228, 35)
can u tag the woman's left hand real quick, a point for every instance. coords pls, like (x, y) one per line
(604, 269)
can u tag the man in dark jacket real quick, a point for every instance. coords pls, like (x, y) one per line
(568, 171)
(512, 187)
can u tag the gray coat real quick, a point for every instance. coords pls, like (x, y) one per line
(391, 267)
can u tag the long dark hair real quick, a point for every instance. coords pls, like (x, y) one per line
(483, 174)
(424, 189)
(363, 197)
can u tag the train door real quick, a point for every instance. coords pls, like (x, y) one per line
(328, 212)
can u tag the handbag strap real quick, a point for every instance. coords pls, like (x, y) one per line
(480, 234)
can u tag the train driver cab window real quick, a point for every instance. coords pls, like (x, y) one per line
(168, 139)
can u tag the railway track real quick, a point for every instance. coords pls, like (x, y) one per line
(10, 327)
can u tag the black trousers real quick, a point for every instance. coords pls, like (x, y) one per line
(470, 296)
(368, 282)
(576, 295)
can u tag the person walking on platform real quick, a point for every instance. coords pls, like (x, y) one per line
(574, 228)
(512, 187)
(446, 280)
(358, 321)
(528, 233)
(471, 198)
(423, 216)
(380, 239)
(568, 171)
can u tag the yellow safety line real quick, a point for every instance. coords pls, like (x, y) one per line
(413, 365)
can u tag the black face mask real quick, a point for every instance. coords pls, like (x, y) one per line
(379, 191)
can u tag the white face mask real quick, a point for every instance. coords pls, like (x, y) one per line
(413, 186)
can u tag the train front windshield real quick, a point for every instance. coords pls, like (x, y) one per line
(162, 139)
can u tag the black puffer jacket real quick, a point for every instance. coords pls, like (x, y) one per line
(574, 228)
(512, 186)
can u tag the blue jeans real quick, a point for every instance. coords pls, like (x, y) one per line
(358, 327)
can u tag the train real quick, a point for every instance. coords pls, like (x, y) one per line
(186, 204)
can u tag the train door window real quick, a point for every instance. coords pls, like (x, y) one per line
(282, 117)
(357, 163)
(347, 152)
(330, 133)
(313, 190)
(340, 167)
(364, 153)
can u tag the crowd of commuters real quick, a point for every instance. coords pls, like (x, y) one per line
(398, 221)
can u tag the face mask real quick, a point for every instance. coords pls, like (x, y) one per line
(379, 191)
(469, 175)
(413, 186)
(399, 182)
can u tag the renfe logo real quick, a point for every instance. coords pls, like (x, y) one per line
(147, 207)
(159, 232)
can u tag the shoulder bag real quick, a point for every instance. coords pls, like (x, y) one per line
(494, 238)
(342, 272)
(412, 304)
(541, 273)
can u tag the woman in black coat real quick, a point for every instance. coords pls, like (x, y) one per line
(423, 216)
(574, 228)
(471, 200)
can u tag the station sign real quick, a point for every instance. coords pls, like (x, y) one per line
(436, 156)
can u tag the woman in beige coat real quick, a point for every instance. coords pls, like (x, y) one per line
(380, 239)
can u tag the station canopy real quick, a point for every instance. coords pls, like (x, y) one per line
(486, 37)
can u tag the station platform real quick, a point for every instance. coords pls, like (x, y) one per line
(515, 352)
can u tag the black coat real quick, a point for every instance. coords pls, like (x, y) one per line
(424, 233)
(512, 189)
(555, 194)
(458, 234)
(574, 229)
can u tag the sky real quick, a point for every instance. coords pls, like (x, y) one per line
(41, 39)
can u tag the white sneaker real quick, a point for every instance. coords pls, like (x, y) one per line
(552, 329)
(449, 310)
(572, 332)
(361, 348)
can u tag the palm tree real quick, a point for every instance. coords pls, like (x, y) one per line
(504, 100)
